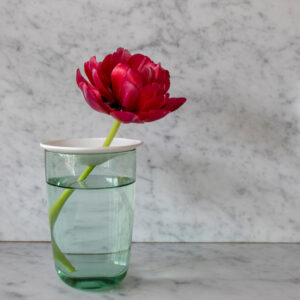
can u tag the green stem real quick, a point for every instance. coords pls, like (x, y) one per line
(112, 133)
(56, 207)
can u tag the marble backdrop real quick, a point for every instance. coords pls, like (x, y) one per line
(225, 167)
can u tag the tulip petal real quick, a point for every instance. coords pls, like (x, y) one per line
(93, 63)
(148, 75)
(153, 115)
(105, 69)
(117, 76)
(129, 95)
(88, 68)
(153, 103)
(99, 85)
(126, 117)
(162, 77)
(150, 98)
(79, 78)
(166, 80)
(138, 62)
(111, 60)
(144, 65)
(126, 84)
(105, 79)
(120, 56)
(88, 73)
(94, 101)
(121, 72)
(174, 103)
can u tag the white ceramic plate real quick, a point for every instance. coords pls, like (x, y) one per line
(90, 145)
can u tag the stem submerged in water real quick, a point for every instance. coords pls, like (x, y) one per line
(56, 207)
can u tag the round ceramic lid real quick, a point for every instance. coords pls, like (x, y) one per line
(90, 145)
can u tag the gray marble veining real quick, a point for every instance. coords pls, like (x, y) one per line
(225, 167)
(164, 271)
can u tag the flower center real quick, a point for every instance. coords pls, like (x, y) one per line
(113, 105)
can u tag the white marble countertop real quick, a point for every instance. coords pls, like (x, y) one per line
(164, 271)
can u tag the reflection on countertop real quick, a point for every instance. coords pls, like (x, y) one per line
(163, 271)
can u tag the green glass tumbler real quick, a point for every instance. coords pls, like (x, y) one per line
(91, 220)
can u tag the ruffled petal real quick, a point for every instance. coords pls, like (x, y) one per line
(111, 60)
(148, 75)
(174, 103)
(120, 56)
(88, 68)
(117, 76)
(130, 96)
(126, 117)
(150, 98)
(126, 84)
(99, 85)
(162, 77)
(144, 65)
(138, 62)
(153, 103)
(93, 63)
(103, 76)
(79, 78)
(105, 69)
(93, 98)
(153, 115)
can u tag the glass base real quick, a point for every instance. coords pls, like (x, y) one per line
(91, 283)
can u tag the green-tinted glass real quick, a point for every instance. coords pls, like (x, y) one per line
(94, 227)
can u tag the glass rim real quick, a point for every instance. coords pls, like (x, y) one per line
(90, 145)
(90, 153)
